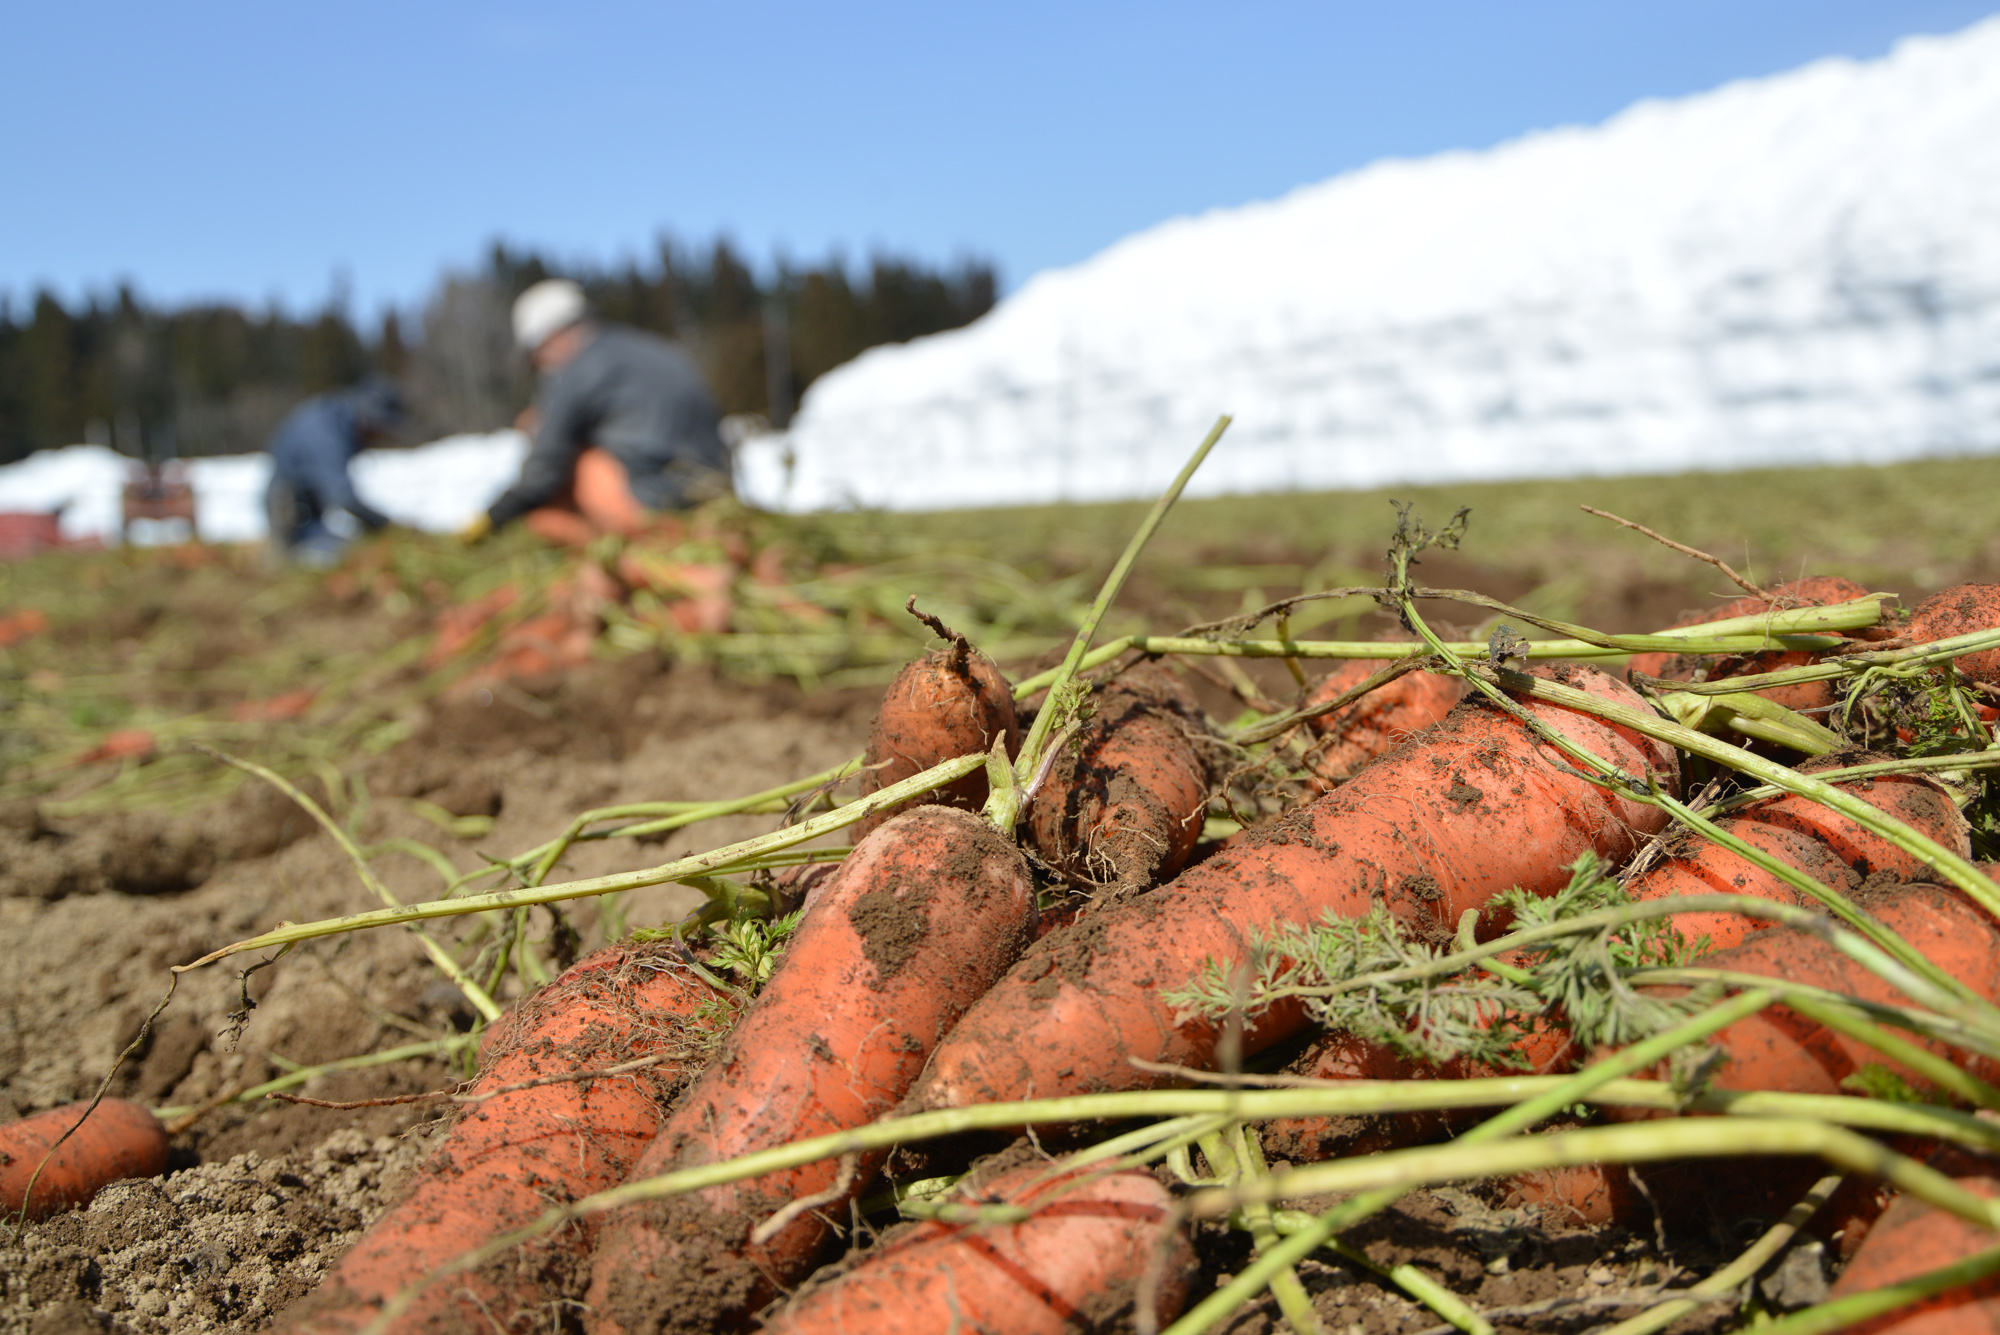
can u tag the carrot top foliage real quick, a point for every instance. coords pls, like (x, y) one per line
(1440, 1003)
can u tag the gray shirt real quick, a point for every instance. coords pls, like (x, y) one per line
(639, 397)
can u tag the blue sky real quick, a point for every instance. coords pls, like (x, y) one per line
(255, 151)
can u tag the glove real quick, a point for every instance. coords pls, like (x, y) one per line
(476, 531)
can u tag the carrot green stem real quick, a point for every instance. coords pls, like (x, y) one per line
(1230, 1158)
(1004, 809)
(1419, 1285)
(1753, 716)
(303, 1074)
(1976, 760)
(1643, 1142)
(1945, 1074)
(1913, 659)
(1736, 636)
(721, 861)
(672, 816)
(481, 1000)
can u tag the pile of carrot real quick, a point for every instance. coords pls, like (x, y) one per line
(950, 963)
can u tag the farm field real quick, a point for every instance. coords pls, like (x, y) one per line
(456, 715)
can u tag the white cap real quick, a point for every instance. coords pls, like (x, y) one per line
(547, 308)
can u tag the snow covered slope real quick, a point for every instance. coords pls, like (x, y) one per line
(1804, 268)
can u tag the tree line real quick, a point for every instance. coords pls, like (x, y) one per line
(217, 378)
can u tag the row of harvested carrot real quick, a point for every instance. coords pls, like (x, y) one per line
(917, 981)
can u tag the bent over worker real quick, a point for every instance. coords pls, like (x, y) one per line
(626, 428)
(310, 452)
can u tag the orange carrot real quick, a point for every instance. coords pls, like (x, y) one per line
(1076, 1264)
(1123, 805)
(512, 1154)
(1796, 830)
(1818, 591)
(120, 1139)
(1777, 1049)
(123, 744)
(1340, 1056)
(949, 703)
(1812, 838)
(16, 626)
(1575, 1196)
(1780, 1049)
(277, 708)
(1960, 610)
(1379, 721)
(1912, 1237)
(1433, 830)
(918, 922)
(459, 626)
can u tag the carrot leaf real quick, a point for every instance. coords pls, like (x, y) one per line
(1355, 976)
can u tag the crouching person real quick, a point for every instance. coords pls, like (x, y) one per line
(624, 428)
(310, 452)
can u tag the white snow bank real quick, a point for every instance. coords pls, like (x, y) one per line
(437, 487)
(1799, 269)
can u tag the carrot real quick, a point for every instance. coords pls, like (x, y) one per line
(1076, 1263)
(123, 744)
(1805, 835)
(1798, 831)
(918, 922)
(458, 627)
(276, 709)
(1123, 806)
(512, 1154)
(120, 1139)
(1379, 721)
(1818, 591)
(1780, 1049)
(1341, 1056)
(1434, 829)
(949, 703)
(1912, 1237)
(1960, 610)
(16, 626)
(1575, 1196)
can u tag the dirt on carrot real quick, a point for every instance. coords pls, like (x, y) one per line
(1123, 802)
(834, 1041)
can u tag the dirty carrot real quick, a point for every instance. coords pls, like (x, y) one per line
(1077, 1259)
(1434, 831)
(1379, 721)
(951, 702)
(1913, 1237)
(511, 1154)
(1123, 805)
(1788, 1049)
(119, 1139)
(1805, 835)
(1961, 610)
(1818, 591)
(918, 922)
